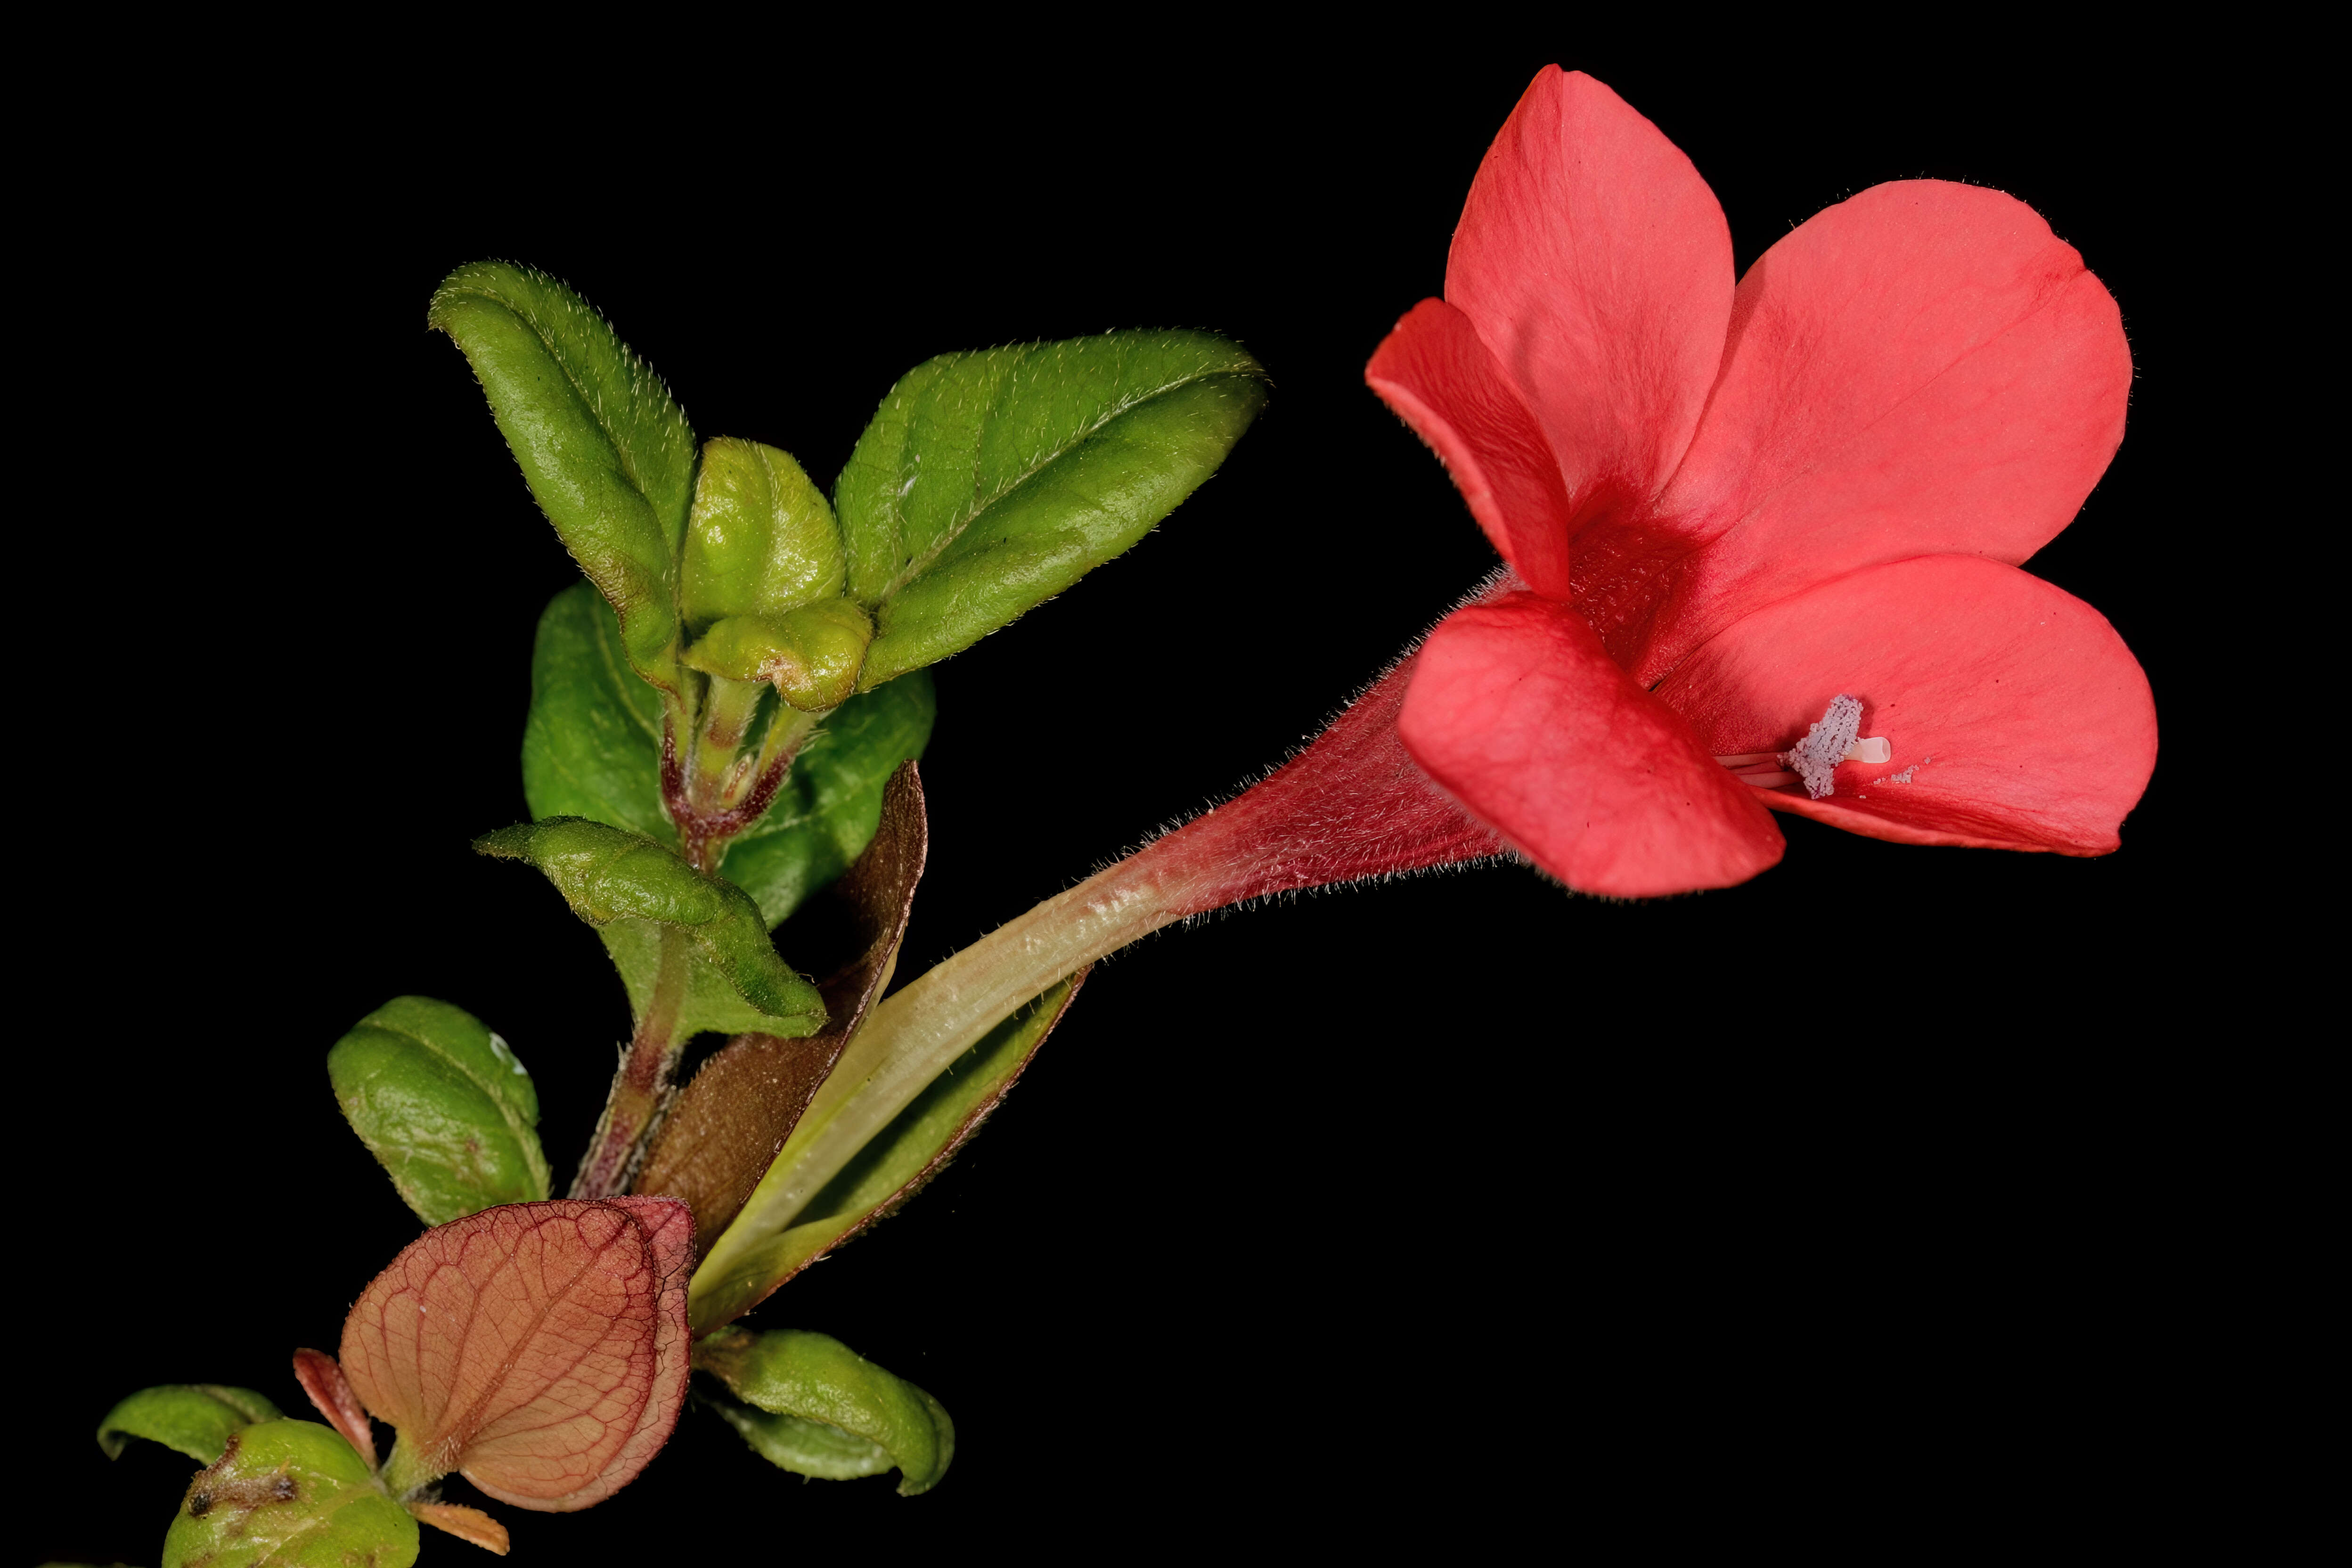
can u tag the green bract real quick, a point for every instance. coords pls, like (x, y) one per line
(289, 1494)
(778, 1232)
(592, 748)
(196, 1419)
(816, 1408)
(443, 1102)
(630, 887)
(608, 453)
(989, 482)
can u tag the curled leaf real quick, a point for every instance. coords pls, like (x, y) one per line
(819, 1408)
(444, 1104)
(606, 451)
(289, 1494)
(538, 1348)
(196, 1419)
(785, 1226)
(629, 887)
(728, 1124)
(760, 539)
(989, 482)
(811, 656)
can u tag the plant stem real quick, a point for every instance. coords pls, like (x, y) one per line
(641, 1088)
(913, 1037)
(403, 1472)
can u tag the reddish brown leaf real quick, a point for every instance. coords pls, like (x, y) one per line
(466, 1523)
(331, 1390)
(538, 1348)
(725, 1126)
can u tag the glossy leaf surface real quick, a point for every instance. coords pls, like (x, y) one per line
(629, 888)
(443, 1102)
(774, 1239)
(538, 1349)
(814, 1382)
(989, 482)
(728, 1124)
(760, 540)
(592, 748)
(607, 451)
(195, 1418)
(289, 1494)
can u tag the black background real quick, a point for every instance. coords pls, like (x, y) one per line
(1852, 1207)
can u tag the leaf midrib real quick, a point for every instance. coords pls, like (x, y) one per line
(916, 566)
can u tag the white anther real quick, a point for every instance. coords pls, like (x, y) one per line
(1871, 749)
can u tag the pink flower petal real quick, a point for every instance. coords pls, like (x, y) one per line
(540, 1349)
(1596, 266)
(1439, 377)
(1517, 709)
(2019, 716)
(1925, 368)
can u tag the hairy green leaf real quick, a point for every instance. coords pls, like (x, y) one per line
(592, 748)
(760, 539)
(628, 888)
(195, 1418)
(819, 1408)
(444, 1103)
(289, 1494)
(607, 451)
(989, 482)
(776, 1233)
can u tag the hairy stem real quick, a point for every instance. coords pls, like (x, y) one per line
(641, 1086)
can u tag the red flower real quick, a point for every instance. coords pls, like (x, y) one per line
(1726, 508)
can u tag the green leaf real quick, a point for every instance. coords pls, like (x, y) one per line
(607, 452)
(592, 748)
(989, 482)
(819, 1408)
(760, 540)
(196, 1419)
(444, 1104)
(628, 888)
(773, 1238)
(289, 1494)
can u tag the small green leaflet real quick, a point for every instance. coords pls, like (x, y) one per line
(195, 1418)
(445, 1106)
(629, 888)
(810, 1404)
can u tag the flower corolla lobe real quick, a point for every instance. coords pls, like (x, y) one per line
(1729, 505)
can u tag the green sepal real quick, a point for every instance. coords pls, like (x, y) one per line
(760, 539)
(606, 451)
(195, 1418)
(811, 656)
(628, 888)
(445, 1106)
(592, 748)
(813, 1405)
(289, 1494)
(989, 482)
(744, 1264)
